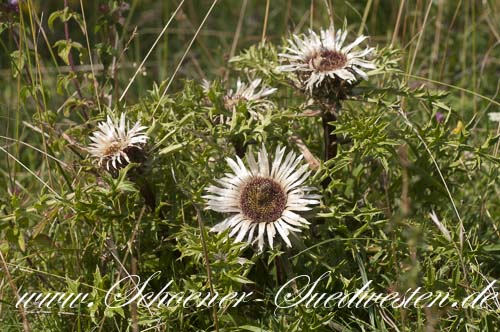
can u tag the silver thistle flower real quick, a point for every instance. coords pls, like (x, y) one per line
(255, 98)
(114, 141)
(316, 58)
(264, 198)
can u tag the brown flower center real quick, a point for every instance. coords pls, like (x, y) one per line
(327, 60)
(232, 101)
(262, 199)
(112, 148)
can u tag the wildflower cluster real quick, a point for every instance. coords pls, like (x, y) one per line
(264, 198)
(315, 155)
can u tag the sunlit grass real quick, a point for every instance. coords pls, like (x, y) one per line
(65, 224)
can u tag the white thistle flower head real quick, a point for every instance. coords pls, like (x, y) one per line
(115, 143)
(255, 98)
(323, 59)
(263, 198)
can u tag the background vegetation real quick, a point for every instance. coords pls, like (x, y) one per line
(415, 139)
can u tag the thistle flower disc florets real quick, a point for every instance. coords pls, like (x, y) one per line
(321, 61)
(264, 198)
(115, 143)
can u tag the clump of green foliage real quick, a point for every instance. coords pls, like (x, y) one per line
(413, 140)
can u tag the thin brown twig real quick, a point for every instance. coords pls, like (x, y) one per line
(420, 35)
(266, 18)
(446, 39)
(113, 250)
(311, 16)
(313, 162)
(134, 234)
(237, 34)
(365, 17)
(287, 14)
(398, 22)
(329, 10)
(26, 326)
(404, 161)
(133, 305)
(71, 62)
(114, 72)
(150, 51)
(188, 48)
(201, 44)
(207, 261)
(85, 32)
